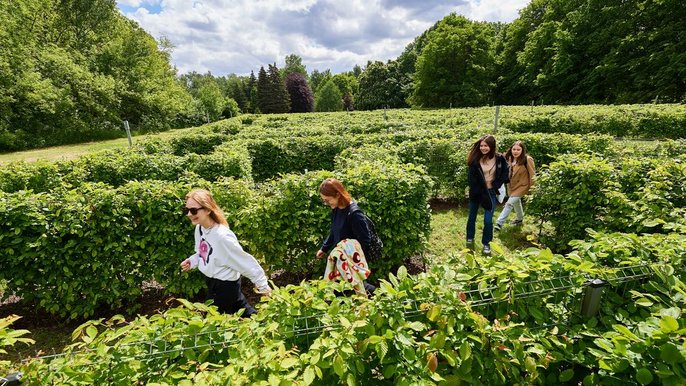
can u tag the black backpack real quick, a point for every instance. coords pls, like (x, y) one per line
(375, 250)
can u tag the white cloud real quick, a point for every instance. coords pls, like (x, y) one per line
(227, 36)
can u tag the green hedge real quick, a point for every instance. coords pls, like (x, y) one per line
(117, 167)
(580, 192)
(638, 121)
(72, 251)
(288, 225)
(415, 330)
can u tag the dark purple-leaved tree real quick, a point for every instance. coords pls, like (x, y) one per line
(302, 99)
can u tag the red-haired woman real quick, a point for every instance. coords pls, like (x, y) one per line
(219, 256)
(488, 170)
(348, 240)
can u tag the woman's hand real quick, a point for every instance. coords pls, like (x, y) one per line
(264, 291)
(185, 265)
(320, 253)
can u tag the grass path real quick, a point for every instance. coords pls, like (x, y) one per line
(64, 152)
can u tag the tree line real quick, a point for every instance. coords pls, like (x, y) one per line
(72, 70)
(555, 52)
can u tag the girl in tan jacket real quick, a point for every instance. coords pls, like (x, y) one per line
(522, 174)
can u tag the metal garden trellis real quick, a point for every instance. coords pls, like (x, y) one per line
(306, 326)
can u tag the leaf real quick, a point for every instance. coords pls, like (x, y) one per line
(374, 339)
(288, 362)
(668, 324)
(566, 375)
(644, 376)
(625, 332)
(670, 353)
(644, 302)
(338, 366)
(433, 313)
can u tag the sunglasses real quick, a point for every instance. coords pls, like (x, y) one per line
(193, 211)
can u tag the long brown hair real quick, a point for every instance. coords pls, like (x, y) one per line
(205, 199)
(331, 187)
(475, 152)
(521, 160)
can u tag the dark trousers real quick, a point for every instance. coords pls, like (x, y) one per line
(228, 297)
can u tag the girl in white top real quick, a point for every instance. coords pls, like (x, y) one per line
(219, 256)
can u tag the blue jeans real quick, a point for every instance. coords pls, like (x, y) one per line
(488, 219)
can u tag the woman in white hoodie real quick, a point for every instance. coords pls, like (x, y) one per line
(219, 256)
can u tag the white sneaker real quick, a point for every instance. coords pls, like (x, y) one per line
(486, 250)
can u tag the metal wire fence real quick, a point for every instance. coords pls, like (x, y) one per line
(563, 291)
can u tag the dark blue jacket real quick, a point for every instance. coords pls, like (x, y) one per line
(477, 182)
(347, 223)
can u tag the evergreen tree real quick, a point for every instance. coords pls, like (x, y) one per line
(280, 101)
(251, 93)
(264, 91)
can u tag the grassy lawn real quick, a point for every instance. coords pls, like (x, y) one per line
(449, 228)
(65, 152)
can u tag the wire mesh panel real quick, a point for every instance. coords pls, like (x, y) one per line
(561, 295)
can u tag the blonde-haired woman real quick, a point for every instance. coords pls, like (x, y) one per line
(522, 175)
(219, 256)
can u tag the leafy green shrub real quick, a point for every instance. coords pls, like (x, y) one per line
(576, 194)
(39, 176)
(223, 162)
(640, 121)
(272, 157)
(415, 330)
(9, 337)
(120, 166)
(72, 251)
(371, 152)
(444, 159)
(196, 143)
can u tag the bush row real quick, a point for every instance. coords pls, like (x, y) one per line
(640, 121)
(637, 121)
(72, 251)
(116, 168)
(444, 158)
(415, 330)
(580, 192)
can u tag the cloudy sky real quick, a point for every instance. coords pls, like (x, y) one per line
(236, 36)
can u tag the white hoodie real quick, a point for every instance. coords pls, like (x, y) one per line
(219, 255)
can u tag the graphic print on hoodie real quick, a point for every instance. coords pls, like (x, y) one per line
(204, 250)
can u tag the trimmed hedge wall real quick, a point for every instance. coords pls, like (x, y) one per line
(73, 251)
(579, 192)
(637, 121)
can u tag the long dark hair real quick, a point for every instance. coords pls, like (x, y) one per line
(521, 160)
(475, 152)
